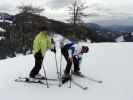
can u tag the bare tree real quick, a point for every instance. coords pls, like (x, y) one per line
(30, 9)
(76, 11)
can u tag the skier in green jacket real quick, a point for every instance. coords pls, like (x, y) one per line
(41, 44)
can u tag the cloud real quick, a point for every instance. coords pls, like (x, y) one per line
(57, 4)
(100, 10)
(6, 7)
(97, 9)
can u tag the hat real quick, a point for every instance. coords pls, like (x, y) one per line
(42, 28)
(85, 49)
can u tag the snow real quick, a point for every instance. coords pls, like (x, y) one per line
(132, 33)
(110, 62)
(7, 21)
(120, 39)
(2, 30)
(2, 37)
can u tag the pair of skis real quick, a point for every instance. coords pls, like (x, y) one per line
(86, 78)
(41, 81)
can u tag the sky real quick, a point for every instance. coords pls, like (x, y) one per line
(57, 9)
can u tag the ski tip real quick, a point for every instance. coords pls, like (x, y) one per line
(59, 85)
(100, 81)
(85, 88)
(48, 87)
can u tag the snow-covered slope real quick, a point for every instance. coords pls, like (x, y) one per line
(110, 62)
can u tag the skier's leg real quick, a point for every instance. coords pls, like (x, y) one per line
(68, 67)
(64, 51)
(76, 64)
(38, 62)
(66, 75)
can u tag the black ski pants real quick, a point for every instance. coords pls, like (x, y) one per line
(64, 51)
(38, 63)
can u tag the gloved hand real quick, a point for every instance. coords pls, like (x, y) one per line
(79, 58)
(53, 50)
(52, 41)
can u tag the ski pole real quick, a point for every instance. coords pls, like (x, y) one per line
(45, 75)
(71, 75)
(58, 74)
(56, 64)
(60, 70)
(55, 58)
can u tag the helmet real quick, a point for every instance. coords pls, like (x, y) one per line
(85, 49)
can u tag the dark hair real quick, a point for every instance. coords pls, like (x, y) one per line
(42, 28)
(85, 49)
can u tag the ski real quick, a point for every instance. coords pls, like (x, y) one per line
(27, 80)
(89, 78)
(65, 81)
(50, 79)
(37, 80)
(92, 79)
(79, 85)
(75, 83)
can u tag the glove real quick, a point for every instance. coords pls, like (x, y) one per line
(78, 58)
(52, 41)
(53, 50)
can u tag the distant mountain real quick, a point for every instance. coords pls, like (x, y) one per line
(102, 34)
(112, 22)
(111, 28)
(5, 17)
(117, 32)
(127, 37)
(93, 26)
(120, 28)
(98, 28)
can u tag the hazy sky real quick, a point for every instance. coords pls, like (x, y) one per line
(57, 9)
